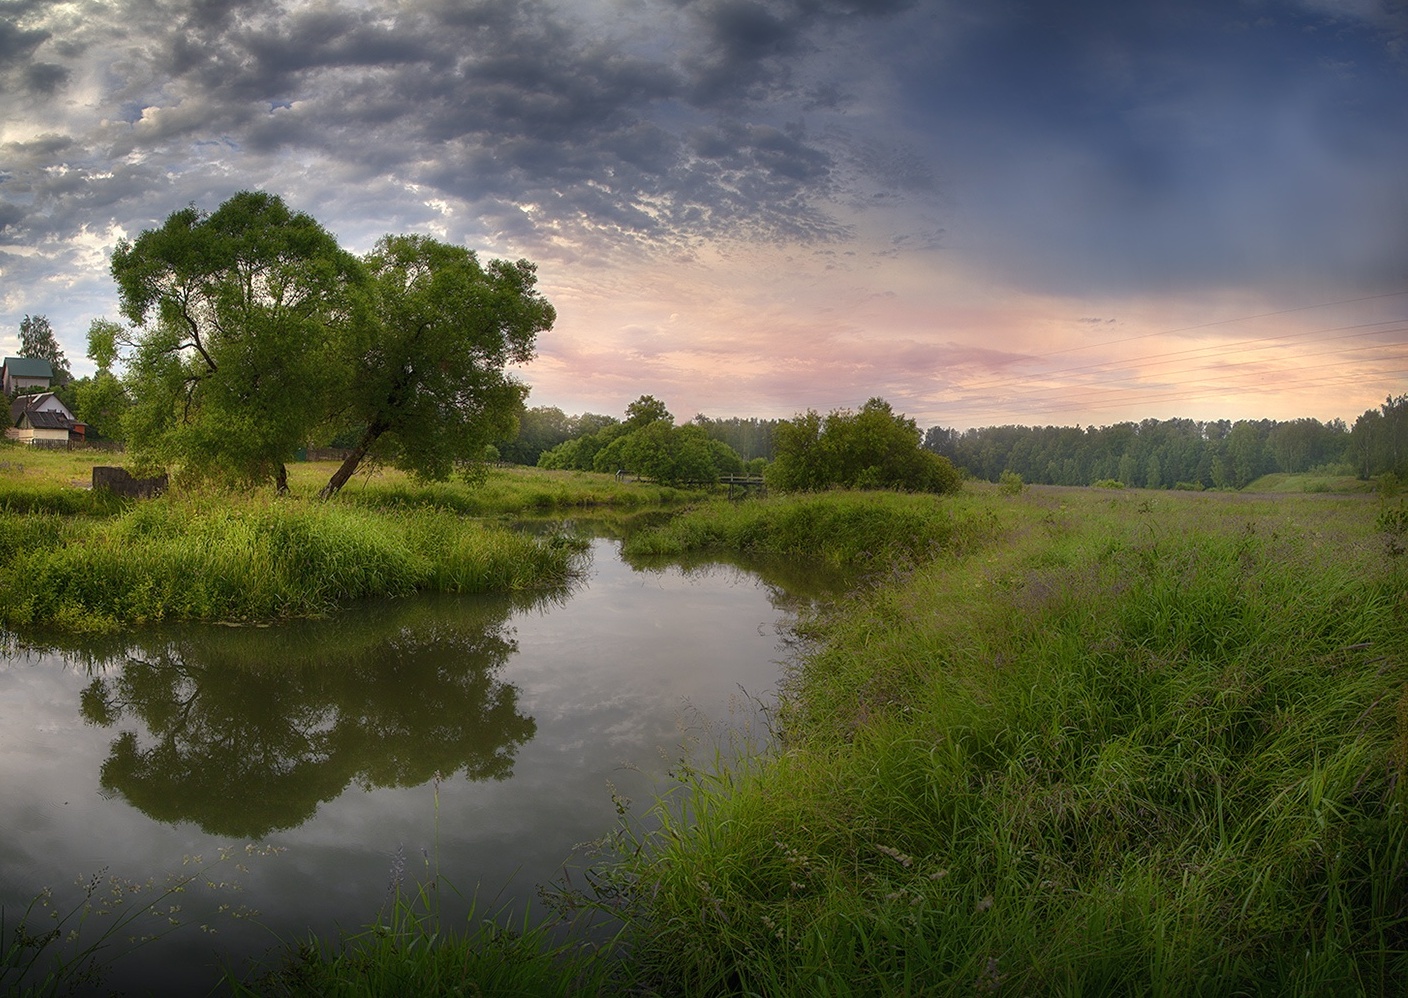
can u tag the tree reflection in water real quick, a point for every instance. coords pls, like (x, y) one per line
(246, 730)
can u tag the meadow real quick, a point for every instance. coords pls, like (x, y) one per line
(1137, 743)
(1057, 741)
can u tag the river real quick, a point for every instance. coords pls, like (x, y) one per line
(483, 739)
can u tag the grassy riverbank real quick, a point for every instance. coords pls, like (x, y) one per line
(1063, 741)
(80, 560)
(851, 530)
(1141, 744)
(252, 560)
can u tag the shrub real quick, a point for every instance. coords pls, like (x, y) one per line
(870, 449)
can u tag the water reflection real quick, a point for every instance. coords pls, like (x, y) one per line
(136, 750)
(245, 731)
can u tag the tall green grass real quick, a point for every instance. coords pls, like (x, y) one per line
(842, 528)
(31, 497)
(510, 491)
(1140, 748)
(411, 952)
(233, 560)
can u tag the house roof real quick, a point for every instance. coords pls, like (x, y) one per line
(37, 400)
(43, 419)
(28, 367)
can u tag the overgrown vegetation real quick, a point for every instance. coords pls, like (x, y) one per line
(875, 448)
(1137, 747)
(1077, 742)
(647, 444)
(853, 530)
(175, 559)
(83, 560)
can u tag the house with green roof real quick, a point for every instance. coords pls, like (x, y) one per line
(19, 373)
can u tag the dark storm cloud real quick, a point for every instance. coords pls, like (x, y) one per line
(9, 215)
(1111, 146)
(747, 47)
(18, 70)
(1094, 146)
(490, 102)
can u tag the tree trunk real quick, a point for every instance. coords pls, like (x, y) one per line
(280, 479)
(349, 466)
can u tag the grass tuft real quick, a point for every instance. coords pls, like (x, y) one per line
(253, 559)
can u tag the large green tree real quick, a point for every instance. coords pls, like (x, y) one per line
(669, 454)
(101, 401)
(37, 340)
(238, 317)
(430, 387)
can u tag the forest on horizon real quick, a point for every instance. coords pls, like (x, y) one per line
(1152, 453)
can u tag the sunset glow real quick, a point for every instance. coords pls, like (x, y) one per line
(986, 214)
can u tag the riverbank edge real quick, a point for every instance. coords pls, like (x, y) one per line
(84, 561)
(1141, 743)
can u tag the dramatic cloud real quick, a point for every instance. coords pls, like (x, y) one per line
(756, 206)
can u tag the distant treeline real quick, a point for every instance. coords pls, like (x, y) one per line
(1186, 453)
(544, 427)
(1153, 453)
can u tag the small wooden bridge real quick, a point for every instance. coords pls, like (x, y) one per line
(743, 482)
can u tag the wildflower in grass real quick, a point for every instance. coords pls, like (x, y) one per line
(990, 979)
(896, 855)
(398, 872)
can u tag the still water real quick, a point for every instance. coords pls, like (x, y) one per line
(480, 737)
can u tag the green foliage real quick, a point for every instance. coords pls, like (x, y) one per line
(101, 402)
(37, 340)
(751, 438)
(646, 410)
(1152, 453)
(1127, 751)
(236, 313)
(169, 559)
(104, 335)
(430, 385)
(1379, 440)
(33, 498)
(649, 445)
(1393, 519)
(540, 429)
(670, 455)
(870, 449)
(1010, 483)
(846, 529)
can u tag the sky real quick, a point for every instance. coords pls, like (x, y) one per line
(1043, 213)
